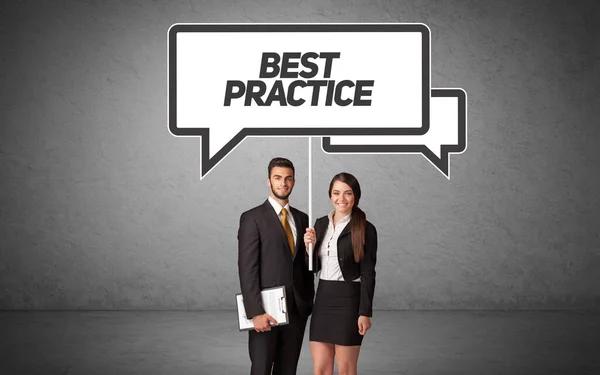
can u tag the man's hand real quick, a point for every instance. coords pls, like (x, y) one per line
(364, 323)
(261, 322)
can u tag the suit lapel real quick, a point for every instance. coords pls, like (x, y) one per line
(346, 229)
(298, 225)
(321, 228)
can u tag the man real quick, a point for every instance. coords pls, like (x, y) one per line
(271, 253)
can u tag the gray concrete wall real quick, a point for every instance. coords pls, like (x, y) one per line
(101, 208)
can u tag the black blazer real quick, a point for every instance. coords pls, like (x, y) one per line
(365, 268)
(265, 260)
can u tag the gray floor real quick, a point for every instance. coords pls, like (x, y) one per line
(400, 342)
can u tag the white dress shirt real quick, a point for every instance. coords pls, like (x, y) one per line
(328, 252)
(290, 218)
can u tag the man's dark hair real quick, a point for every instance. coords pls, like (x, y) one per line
(281, 162)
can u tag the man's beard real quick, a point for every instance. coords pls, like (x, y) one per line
(283, 197)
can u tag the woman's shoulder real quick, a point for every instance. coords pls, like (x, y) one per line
(370, 227)
(323, 218)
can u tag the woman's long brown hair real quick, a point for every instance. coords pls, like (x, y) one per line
(358, 219)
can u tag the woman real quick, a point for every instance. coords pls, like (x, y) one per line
(345, 246)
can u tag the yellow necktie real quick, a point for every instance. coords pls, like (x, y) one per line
(287, 229)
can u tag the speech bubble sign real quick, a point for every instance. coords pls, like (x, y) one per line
(447, 134)
(230, 81)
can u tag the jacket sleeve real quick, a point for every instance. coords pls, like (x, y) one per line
(248, 265)
(367, 271)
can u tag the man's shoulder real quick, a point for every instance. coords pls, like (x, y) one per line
(254, 211)
(298, 212)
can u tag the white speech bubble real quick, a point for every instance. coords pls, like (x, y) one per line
(204, 60)
(446, 135)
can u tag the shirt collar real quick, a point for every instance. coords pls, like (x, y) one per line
(277, 207)
(345, 219)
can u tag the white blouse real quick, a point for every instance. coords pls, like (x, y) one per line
(328, 252)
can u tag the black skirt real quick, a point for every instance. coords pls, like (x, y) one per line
(335, 313)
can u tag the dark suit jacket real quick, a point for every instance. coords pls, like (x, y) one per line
(265, 260)
(350, 269)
